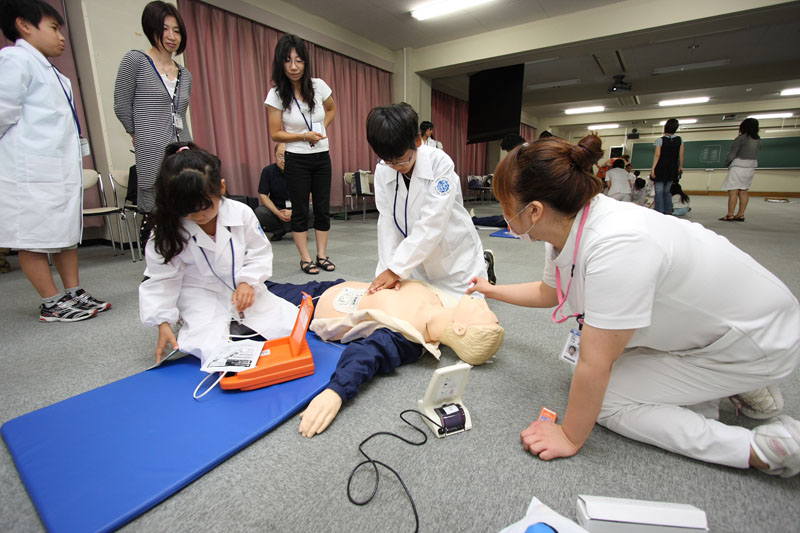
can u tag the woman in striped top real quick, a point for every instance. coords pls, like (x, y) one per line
(151, 96)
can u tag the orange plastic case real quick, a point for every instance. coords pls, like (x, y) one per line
(288, 358)
(547, 414)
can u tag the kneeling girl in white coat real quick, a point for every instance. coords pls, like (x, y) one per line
(424, 232)
(207, 261)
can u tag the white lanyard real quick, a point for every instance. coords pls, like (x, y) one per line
(562, 298)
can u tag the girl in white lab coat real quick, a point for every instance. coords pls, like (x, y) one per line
(207, 261)
(424, 232)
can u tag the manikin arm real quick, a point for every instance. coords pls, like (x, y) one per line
(382, 351)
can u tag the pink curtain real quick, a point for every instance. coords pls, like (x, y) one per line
(230, 58)
(66, 64)
(449, 116)
(527, 132)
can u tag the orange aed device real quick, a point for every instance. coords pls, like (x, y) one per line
(288, 358)
(546, 414)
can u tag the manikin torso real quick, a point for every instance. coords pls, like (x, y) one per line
(413, 302)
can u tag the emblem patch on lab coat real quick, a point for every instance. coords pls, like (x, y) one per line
(442, 187)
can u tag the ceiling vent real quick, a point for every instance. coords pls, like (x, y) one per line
(731, 116)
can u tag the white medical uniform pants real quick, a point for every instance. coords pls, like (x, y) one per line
(649, 390)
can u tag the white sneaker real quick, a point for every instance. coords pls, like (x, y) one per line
(760, 404)
(472, 212)
(778, 445)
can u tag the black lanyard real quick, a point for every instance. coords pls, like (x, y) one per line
(311, 118)
(69, 99)
(394, 207)
(233, 263)
(176, 98)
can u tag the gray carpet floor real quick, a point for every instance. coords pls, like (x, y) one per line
(481, 480)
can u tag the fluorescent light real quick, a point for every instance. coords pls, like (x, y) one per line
(551, 84)
(782, 130)
(772, 115)
(444, 7)
(791, 92)
(603, 127)
(684, 101)
(692, 66)
(579, 110)
(681, 121)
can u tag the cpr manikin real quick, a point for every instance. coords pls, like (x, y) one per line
(347, 311)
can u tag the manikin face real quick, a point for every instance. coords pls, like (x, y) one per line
(171, 38)
(473, 311)
(47, 37)
(294, 66)
(280, 156)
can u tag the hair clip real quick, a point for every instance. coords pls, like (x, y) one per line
(181, 149)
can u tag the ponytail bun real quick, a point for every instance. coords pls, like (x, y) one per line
(587, 152)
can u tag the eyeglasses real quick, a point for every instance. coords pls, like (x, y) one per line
(280, 157)
(393, 164)
(508, 221)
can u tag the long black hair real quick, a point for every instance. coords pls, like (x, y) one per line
(750, 127)
(283, 85)
(189, 180)
(676, 188)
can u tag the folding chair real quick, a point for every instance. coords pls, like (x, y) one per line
(92, 178)
(122, 178)
(361, 184)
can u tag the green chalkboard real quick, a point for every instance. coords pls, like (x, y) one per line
(781, 152)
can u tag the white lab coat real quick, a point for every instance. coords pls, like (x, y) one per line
(188, 287)
(41, 182)
(442, 246)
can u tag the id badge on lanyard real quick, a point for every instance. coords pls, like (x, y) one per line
(571, 350)
(85, 150)
(177, 121)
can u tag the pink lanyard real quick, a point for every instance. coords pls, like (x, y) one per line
(562, 298)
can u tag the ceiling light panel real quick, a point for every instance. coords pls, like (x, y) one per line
(603, 127)
(681, 121)
(444, 7)
(684, 101)
(791, 92)
(581, 110)
(764, 116)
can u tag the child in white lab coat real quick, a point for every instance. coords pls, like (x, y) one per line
(40, 150)
(424, 232)
(207, 261)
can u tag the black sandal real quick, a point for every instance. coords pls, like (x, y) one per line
(324, 263)
(307, 266)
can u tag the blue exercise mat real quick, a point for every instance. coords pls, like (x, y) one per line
(96, 461)
(503, 233)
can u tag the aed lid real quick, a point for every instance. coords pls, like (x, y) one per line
(447, 384)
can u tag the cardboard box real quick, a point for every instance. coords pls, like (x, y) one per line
(599, 514)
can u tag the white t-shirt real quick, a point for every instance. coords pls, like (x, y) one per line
(618, 180)
(690, 291)
(296, 118)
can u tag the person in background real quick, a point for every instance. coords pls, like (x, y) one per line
(509, 142)
(301, 108)
(639, 191)
(657, 357)
(40, 149)
(618, 182)
(742, 160)
(680, 200)
(275, 212)
(426, 130)
(151, 98)
(667, 165)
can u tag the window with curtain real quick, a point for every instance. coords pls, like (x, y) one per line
(230, 58)
(527, 132)
(449, 117)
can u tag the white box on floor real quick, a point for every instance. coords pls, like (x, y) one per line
(599, 514)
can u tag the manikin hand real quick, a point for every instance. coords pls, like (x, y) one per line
(243, 297)
(548, 440)
(165, 336)
(478, 284)
(385, 280)
(320, 413)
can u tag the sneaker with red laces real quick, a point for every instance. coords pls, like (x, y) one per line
(87, 302)
(64, 310)
(778, 445)
(759, 404)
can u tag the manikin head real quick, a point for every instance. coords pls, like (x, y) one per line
(474, 334)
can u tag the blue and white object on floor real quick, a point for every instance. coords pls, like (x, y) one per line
(504, 233)
(540, 518)
(96, 461)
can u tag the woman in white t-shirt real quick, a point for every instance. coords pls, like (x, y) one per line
(300, 110)
(619, 182)
(635, 375)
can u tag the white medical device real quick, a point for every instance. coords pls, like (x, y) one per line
(442, 401)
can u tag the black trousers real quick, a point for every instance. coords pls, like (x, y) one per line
(309, 174)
